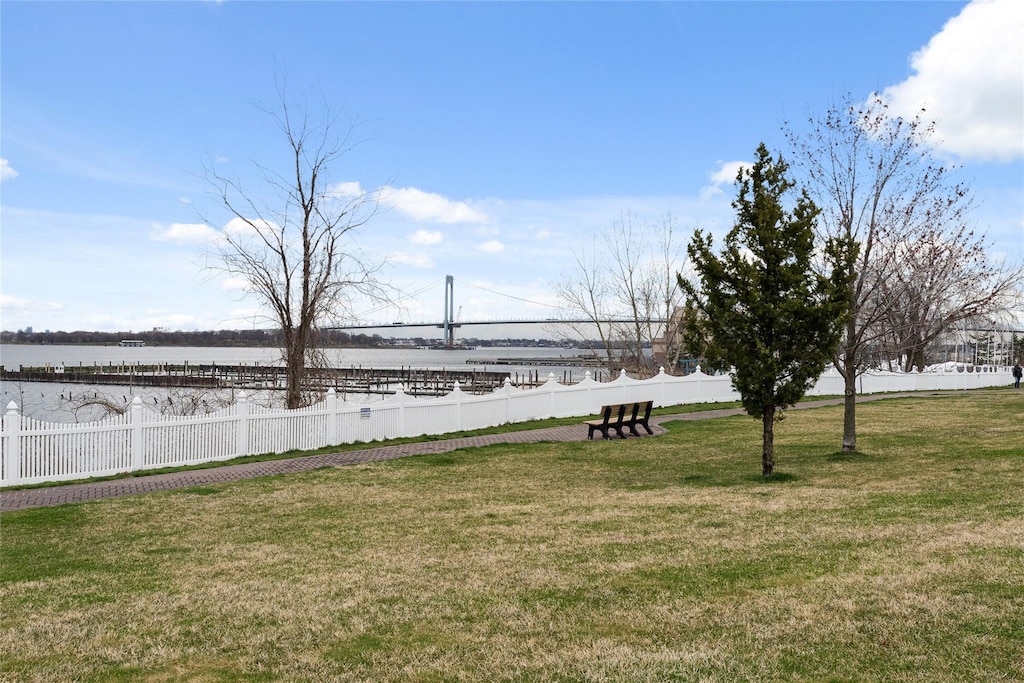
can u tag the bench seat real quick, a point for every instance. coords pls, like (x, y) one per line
(621, 416)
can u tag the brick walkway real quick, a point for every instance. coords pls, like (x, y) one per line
(78, 493)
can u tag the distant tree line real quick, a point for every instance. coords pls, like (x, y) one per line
(268, 338)
(258, 338)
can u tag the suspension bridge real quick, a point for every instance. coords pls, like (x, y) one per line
(492, 307)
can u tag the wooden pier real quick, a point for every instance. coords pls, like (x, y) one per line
(356, 380)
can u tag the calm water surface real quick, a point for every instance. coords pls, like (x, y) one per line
(12, 356)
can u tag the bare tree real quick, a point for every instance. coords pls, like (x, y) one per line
(632, 288)
(942, 280)
(585, 290)
(291, 237)
(878, 184)
(624, 286)
(96, 404)
(670, 257)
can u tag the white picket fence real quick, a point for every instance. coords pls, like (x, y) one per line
(35, 451)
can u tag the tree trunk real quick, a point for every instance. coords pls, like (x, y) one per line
(295, 362)
(768, 442)
(848, 369)
(849, 374)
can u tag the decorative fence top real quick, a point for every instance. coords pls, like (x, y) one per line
(37, 451)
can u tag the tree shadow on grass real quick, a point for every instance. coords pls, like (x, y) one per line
(731, 479)
(859, 456)
(776, 478)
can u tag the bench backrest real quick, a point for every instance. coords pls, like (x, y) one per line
(616, 413)
(613, 413)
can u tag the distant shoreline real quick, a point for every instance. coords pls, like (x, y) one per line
(330, 339)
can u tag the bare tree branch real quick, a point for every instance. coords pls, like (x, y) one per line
(291, 240)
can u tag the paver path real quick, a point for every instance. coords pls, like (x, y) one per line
(78, 493)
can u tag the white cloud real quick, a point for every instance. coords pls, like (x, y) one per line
(541, 234)
(430, 207)
(422, 206)
(234, 284)
(970, 80)
(347, 190)
(414, 260)
(725, 174)
(6, 172)
(200, 233)
(184, 201)
(491, 247)
(426, 237)
(184, 233)
(237, 226)
(10, 303)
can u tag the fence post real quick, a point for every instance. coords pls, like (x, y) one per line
(12, 449)
(332, 418)
(662, 379)
(242, 431)
(550, 384)
(138, 461)
(507, 387)
(400, 397)
(457, 396)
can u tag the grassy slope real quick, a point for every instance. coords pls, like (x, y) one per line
(647, 560)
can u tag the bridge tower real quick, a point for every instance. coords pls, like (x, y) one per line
(449, 311)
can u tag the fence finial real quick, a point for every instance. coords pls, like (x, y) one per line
(12, 407)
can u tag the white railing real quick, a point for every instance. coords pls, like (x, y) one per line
(34, 451)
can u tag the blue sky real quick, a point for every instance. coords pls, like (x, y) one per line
(508, 133)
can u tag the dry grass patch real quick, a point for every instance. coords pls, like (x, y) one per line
(645, 560)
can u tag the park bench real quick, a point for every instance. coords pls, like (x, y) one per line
(621, 416)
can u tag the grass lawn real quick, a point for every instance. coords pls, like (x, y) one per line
(658, 559)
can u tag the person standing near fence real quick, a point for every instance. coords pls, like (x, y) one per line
(1017, 372)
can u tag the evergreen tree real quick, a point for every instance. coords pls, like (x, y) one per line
(767, 311)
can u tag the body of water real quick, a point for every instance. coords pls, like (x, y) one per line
(62, 402)
(13, 356)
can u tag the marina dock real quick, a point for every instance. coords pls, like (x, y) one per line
(357, 380)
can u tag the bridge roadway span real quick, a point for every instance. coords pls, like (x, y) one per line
(19, 499)
(510, 321)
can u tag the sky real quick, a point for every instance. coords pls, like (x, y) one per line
(505, 135)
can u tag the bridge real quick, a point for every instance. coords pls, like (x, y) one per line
(508, 309)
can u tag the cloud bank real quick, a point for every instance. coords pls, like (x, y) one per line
(725, 174)
(419, 205)
(6, 172)
(970, 80)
